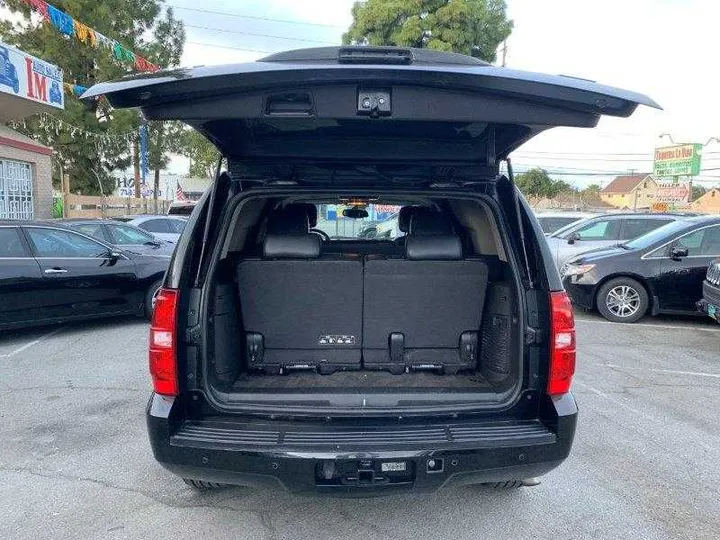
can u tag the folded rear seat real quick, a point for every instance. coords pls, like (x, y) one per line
(424, 311)
(299, 309)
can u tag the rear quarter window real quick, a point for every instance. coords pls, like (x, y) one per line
(156, 226)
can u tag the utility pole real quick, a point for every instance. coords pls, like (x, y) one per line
(504, 52)
(632, 175)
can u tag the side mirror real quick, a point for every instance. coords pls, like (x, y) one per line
(113, 257)
(574, 237)
(678, 252)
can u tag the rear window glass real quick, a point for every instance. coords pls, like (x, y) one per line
(637, 227)
(381, 222)
(156, 226)
(176, 225)
(552, 224)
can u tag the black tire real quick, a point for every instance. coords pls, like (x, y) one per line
(151, 290)
(202, 484)
(622, 300)
(508, 484)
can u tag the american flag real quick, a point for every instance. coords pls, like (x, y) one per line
(180, 194)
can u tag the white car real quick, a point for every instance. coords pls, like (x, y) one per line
(166, 228)
(602, 231)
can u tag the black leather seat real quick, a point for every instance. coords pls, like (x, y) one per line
(300, 310)
(424, 311)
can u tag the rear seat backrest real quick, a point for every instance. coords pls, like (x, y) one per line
(300, 310)
(418, 310)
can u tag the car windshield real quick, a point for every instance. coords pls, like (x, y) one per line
(658, 235)
(380, 223)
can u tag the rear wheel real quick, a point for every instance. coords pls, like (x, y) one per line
(202, 484)
(150, 295)
(622, 300)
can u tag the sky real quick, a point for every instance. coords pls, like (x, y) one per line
(662, 48)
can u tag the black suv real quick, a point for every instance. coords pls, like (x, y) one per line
(287, 350)
(710, 302)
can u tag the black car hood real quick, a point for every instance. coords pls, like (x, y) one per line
(308, 105)
(599, 253)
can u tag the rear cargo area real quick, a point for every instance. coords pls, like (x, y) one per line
(433, 311)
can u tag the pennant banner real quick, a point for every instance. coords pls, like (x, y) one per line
(76, 89)
(68, 26)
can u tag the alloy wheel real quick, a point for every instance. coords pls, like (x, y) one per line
(623, 301)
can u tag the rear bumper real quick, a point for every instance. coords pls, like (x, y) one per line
(710, 303)
(362, 459)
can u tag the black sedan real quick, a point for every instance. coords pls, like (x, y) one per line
(121, 235)
(660, 272)
(50, 274)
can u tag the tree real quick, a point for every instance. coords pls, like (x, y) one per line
(697, 192)
(535, 183)
(593, 188)
(90, 139)
(474, 27)
(202, 153)
(165, 137)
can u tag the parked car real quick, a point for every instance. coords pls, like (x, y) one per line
(121, 235)
(167, 228)
(280, 358)
(660, 272)
(551, 222)
(710, 302)
(8, 71)
(602, 231)
(51, 274)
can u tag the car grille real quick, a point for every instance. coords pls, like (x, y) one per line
(713, 274)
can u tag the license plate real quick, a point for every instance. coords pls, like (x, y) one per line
(397, 466)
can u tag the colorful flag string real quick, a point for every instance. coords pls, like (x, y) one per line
(68, 26)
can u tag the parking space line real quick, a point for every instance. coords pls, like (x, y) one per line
(31, 344)
(668, 371)
(649, 325)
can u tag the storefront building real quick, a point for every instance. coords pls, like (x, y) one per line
(28, 86)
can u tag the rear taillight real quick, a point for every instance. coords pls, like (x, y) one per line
(562, 344)
(163, 357)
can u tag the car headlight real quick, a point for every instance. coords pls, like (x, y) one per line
(577, 269)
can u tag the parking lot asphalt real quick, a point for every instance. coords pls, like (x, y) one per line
(75, 461)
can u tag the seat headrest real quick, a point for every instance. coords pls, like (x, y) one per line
(432, 237)
(287, 235)
(291, 246)
(310, 209)
(429, 222)
(293, 219)
(433, 248)
(404, 217)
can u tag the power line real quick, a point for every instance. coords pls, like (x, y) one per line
(259, 35)
(229, 47)
(256, 18)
